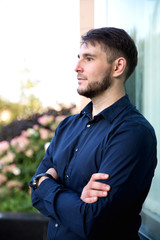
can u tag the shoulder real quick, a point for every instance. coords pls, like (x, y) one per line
(138, 130)
(139, 124)
(138, 135)
(134, 126)
(68, 121)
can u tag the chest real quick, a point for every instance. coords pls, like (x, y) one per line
(78, 153)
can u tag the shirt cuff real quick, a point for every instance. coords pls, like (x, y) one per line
(46, 187)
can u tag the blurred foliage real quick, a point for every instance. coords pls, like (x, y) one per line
(25, 129)
(28, 103)
(17, 201)
(20, 157)
(18, 111)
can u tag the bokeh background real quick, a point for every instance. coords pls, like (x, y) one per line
(39, 44)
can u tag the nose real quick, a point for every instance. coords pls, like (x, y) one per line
(78, 67)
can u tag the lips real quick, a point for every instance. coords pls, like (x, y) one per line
(81, 77)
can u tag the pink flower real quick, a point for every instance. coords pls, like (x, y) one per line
(60, 118)
(35, 127)
(25, 133)
(3, 179)
(14, 183)
(45, 120)
(8, 158)
(11, 156)
(28, 133)
(20, 143)
(44, 133)
(4, 146)
(11, 168)
(29, 153)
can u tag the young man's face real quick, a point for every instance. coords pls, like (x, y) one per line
(94, 72)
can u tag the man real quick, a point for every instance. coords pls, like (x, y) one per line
(99, 166)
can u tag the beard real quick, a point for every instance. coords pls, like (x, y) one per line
(96, 88)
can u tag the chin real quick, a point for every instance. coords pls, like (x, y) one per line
(83, 93)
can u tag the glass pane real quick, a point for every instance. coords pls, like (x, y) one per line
(141, 19)
(151, 95)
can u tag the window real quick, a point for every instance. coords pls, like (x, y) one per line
(141, 20)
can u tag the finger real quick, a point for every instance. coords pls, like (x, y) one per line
(99, 186)
(95, 193)
(99, 176)
(90, 200)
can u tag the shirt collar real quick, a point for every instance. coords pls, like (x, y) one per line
(87, 110)
(109, 113)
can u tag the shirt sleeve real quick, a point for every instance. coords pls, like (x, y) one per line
(46, 163)
(129, 157)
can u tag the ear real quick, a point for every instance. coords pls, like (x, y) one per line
(119, 67)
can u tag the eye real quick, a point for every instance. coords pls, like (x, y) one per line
(89, 59)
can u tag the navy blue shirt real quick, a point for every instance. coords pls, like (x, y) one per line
(118, 141)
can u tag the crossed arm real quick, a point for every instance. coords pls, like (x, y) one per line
(92, 191)
(125, 169)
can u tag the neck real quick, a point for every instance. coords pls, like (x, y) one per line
(106, 99)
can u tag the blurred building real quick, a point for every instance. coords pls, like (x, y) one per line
(86, 23)
(141, 20)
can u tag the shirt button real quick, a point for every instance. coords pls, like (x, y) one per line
(67, 176)
(76, 150)
(56, 225)
(88, 125)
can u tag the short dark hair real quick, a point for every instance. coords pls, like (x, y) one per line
(117, 43)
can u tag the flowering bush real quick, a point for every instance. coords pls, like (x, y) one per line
(19, 160)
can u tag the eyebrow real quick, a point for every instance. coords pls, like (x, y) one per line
(87, 55)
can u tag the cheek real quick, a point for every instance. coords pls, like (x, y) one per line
(96, 72)
(97, 76)
(93, 73)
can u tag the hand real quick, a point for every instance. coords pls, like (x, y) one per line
(50, 171)
(94, 189)
(53, 173)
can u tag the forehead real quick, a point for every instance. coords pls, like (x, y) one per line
(95, 49)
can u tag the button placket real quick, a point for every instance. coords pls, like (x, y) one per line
(56, 225)
(69, 167)
(67, 176)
